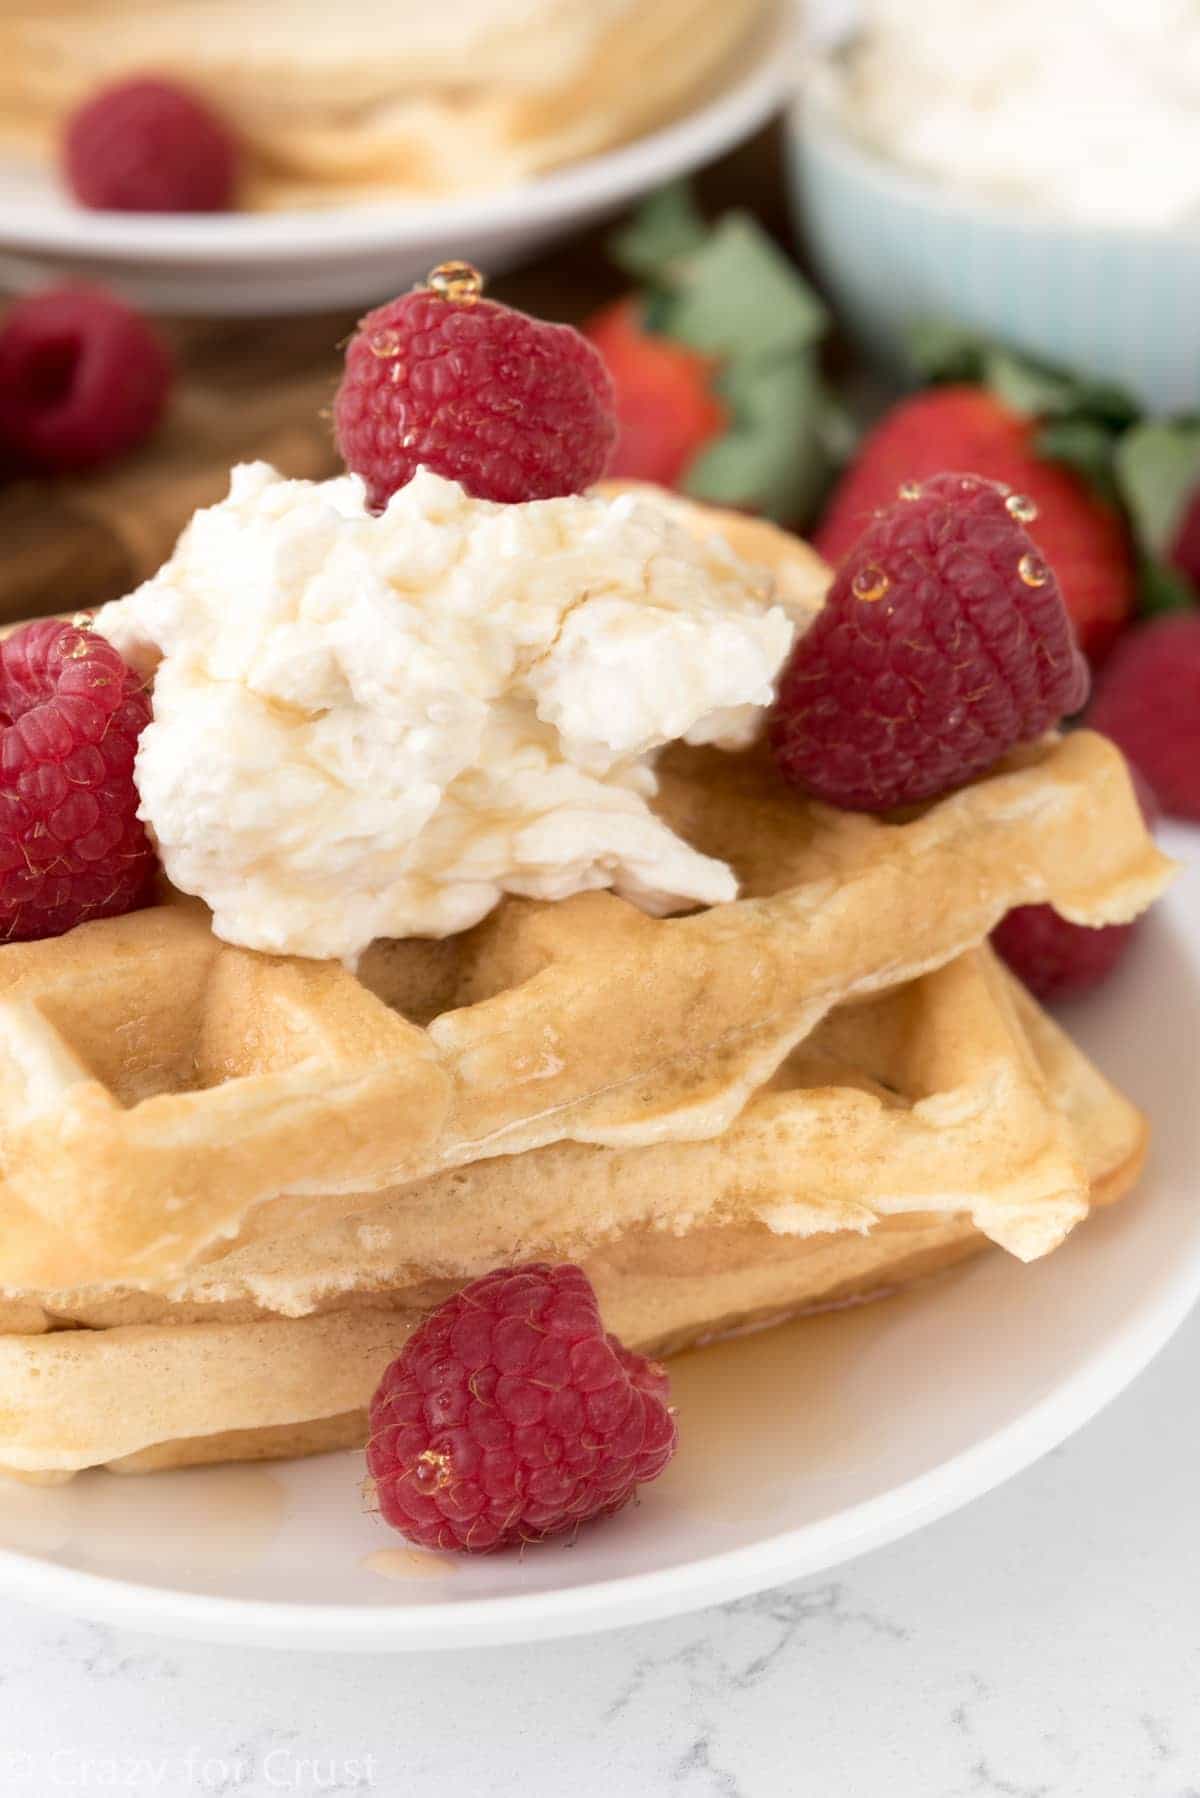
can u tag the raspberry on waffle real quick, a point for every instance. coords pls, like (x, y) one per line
(942, 645)
(71, 845)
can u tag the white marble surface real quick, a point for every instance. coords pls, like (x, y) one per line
(1043, 1643)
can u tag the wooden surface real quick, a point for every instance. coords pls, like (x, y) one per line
(261, 388)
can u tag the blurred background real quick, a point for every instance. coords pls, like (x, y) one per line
(812, 243)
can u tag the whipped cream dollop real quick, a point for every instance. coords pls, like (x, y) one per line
(372, 726)
(1088, 109)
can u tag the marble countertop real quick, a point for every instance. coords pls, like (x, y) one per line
(1043, 1643)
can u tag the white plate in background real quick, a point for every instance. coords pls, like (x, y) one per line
(802, 1447)
(286, 262)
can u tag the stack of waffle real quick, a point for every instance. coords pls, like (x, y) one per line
(379, 99)
(232, 1183)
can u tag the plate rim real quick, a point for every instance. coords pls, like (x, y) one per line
(232, 240)
(677, 1590)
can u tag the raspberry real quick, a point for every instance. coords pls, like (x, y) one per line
(1055, 958)
(83, 379)
(942, 644)
(1082, 536)
(511, 407)
(146, 145)
(1148, 702)
(510, 1416)
(71, 846)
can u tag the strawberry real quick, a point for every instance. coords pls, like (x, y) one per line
(666, 409)
(1148, 702)
(963, 426)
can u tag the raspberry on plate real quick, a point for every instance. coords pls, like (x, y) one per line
(510, 1416)
(71, 845)
(942, 645)
(147, 145)
(1148, 701)
(83, 379)
(509, 406)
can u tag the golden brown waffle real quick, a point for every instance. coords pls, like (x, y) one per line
(143, 1395)
(157, 1086)
(926, 1099)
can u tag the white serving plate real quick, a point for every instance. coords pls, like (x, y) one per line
(802, 1446)
(285, 262)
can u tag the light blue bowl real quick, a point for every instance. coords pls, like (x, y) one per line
(1117, 303)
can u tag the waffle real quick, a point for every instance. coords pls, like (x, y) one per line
(159, 1087)
(231, 1182)
(924, 1099)
(904, 1125)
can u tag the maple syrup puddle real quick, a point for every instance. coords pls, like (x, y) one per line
(408, 1564)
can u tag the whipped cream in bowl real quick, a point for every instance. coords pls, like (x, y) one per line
(1085, 110)
(376, 726)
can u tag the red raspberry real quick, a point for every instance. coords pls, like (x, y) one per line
(1148, 702)
(511, 407)
(510, 1416)
(146, 145)
(1082, 536)
(942, 644)
(1055, 958)
(82, 379)
(71, 846)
